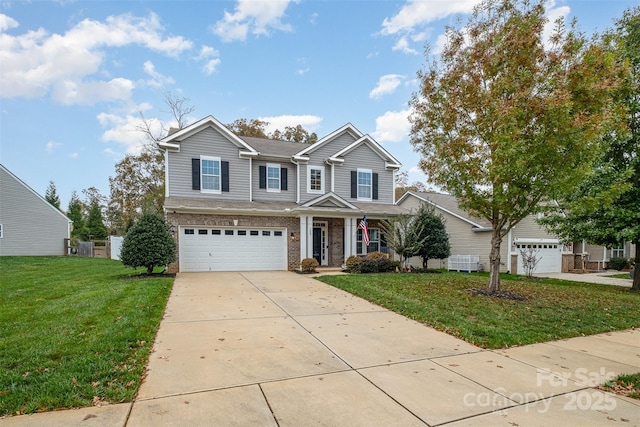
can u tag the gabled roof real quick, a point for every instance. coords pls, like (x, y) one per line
(390, 161)
(348, 128)
(172, 140)
(449, 204)
(49, 205)
(274, 148)
(329, 199)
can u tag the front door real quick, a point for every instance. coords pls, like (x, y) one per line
(320, 244)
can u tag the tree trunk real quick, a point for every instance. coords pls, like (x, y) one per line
(494, 261)
(636, 273)
(150, 270)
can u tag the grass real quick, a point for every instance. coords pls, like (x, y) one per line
(74, 332)
(554, 309)
(626, 385)
(619, 276)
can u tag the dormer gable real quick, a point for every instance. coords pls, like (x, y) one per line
(173, 140)
(390, 161)
(329, 200)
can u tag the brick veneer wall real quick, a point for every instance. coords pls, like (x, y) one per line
(292, 224)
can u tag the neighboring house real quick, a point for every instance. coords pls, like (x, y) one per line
(596, 257)
(29, 225)
(241, 203)
(472, 236)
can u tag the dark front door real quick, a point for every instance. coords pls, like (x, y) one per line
(317, 244)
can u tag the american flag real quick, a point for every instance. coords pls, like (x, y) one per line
(365, 230)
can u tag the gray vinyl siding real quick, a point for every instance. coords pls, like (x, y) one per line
(209, 142)
(365, 158)
(30, 225)
(318, 158)
(529, 228)
(462, 239)
(601, 253)
(261, 194)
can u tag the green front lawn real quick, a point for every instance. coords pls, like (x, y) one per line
(73, 331)
(554, 309)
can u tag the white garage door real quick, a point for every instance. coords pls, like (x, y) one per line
(547, 251)
(232, 249)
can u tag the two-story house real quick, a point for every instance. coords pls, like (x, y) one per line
(239, 203)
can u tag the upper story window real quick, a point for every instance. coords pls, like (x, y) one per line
(364, 184)
(273, 177)
(315, 179)
(210, 170)
(618, 252)
(209, 174)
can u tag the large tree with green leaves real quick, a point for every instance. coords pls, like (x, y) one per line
(605, 208)
(148, 243)
(505, 119)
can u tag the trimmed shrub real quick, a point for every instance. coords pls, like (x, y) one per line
(353, 264)
(148, 243)
(618, 263)
(309, 265)
(380, 262)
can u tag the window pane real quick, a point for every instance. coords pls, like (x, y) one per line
(316, 179)
(210, 174)
(364, 185)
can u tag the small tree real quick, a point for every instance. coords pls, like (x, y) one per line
(148, 243)
(404, 236)
(74, 213)
(434, 237)
(95, 228)
(51, 195)
(530, 260)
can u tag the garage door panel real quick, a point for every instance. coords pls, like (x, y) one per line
(236, 249)
(548, 254)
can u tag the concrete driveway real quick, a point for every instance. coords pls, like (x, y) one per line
(281, 349)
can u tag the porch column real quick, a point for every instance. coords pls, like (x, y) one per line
(347, 237)
(351, 236)
(303, 237)
(309, 236)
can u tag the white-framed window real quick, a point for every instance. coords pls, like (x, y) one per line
(374, 241)
(210, 174)
(315, 179)
(365, 184)
(1, 231)
(273, 177)
(618, 252)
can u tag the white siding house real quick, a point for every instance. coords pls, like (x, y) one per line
(29, 225)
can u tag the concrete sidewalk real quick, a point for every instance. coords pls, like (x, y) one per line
(601, 277)
(281, 349)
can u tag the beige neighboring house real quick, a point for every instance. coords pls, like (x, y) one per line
(29, 225)
(596, 257)
(469, 235)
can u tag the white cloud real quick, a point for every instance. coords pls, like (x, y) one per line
(418, 13)
(553, 13)
(74, 155)
(304, 67)
(157, 80)
(36, 62)
(403, 46)
(309, 122)
(415, 15)
(392, 126)
(69, 92)
(387, 84)
(257, 17)
(7, 23)
(211, 64)
(51, 146)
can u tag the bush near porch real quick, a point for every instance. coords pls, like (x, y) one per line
(553, 309)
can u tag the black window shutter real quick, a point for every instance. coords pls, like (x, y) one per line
(224, 166)
(283, 179)
(263, 176)
(195, 174)
(374, 187)
(354, 184)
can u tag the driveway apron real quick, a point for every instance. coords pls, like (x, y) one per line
(281, 349)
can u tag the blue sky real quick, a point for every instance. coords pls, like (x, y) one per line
(74, 75)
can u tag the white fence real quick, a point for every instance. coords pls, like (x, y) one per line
(116, 244)
(464, 263)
